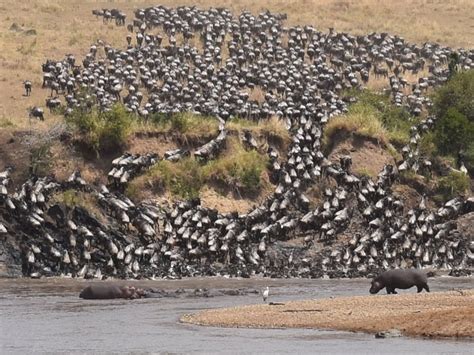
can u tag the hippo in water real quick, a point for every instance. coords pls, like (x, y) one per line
(399, 278)
(110, 291)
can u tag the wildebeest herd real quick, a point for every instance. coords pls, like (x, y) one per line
(207, 62)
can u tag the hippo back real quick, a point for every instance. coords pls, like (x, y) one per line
(101, 291)
(403, 278)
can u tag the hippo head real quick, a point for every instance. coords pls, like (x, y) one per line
(128, 292)
(376, 286)
(140, 292)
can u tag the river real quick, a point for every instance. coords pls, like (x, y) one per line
(47, 316)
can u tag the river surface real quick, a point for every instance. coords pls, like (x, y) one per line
(47, 316)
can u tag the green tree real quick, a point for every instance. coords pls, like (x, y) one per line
(454, 107)
(453, 133)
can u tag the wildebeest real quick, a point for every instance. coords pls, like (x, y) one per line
(27, 85)
(37, 112)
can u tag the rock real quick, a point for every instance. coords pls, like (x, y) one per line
(465, 225)
(31, 32)
(15, 27)
(460, 272)
(391, 333)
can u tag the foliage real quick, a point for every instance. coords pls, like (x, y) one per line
(396, 120)
(453, 132)
(456, 183)
(238, 170)
(453, 104)
(273, 129)
(185, 123)
(103, 131)
(40, 159)
(184, 178)
(458, 94)
(5, 122)
(72, 198)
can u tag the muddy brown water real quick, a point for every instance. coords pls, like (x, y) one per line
(46, 316)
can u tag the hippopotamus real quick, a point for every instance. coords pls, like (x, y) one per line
(110, 291)
(400, 278)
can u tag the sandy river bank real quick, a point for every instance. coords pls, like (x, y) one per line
(436, 314)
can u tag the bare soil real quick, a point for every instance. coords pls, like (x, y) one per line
(368, 158)
(436, 314)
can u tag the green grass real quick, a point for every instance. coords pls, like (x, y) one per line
(189, 125)
(103, 131)
(373, 116)
(240, 170)
(454, 184)
(361, 120)
(72, 198)
(237, 170)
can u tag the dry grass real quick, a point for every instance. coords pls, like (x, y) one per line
(272, 130)
(361, 122)
(437, 314)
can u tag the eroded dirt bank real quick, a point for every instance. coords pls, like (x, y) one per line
(436, 314)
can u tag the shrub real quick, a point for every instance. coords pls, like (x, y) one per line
(188, 124)
(72, 198)
(6, 122)
(184, 178)
(396, 120)
(458, 94)
(241, 170)
(103, 131)
(453, 132)
(456, 183)
(40, 159)
(273, 129)
(453, 104)
(238, 170)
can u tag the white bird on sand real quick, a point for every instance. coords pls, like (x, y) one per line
(265, 294)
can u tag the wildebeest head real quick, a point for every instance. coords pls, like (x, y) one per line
(376, 286)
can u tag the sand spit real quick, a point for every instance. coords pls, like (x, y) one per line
(436, 314)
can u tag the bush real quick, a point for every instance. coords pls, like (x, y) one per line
(40, 159)
(396, 120)
(184, 178)
(453, 104)
(458, 94)
(72, 198)
(188, 124)
(238, 170)
(453, 132)
(103, 131)
(373, 115)
(456, 183)
(241, 170)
